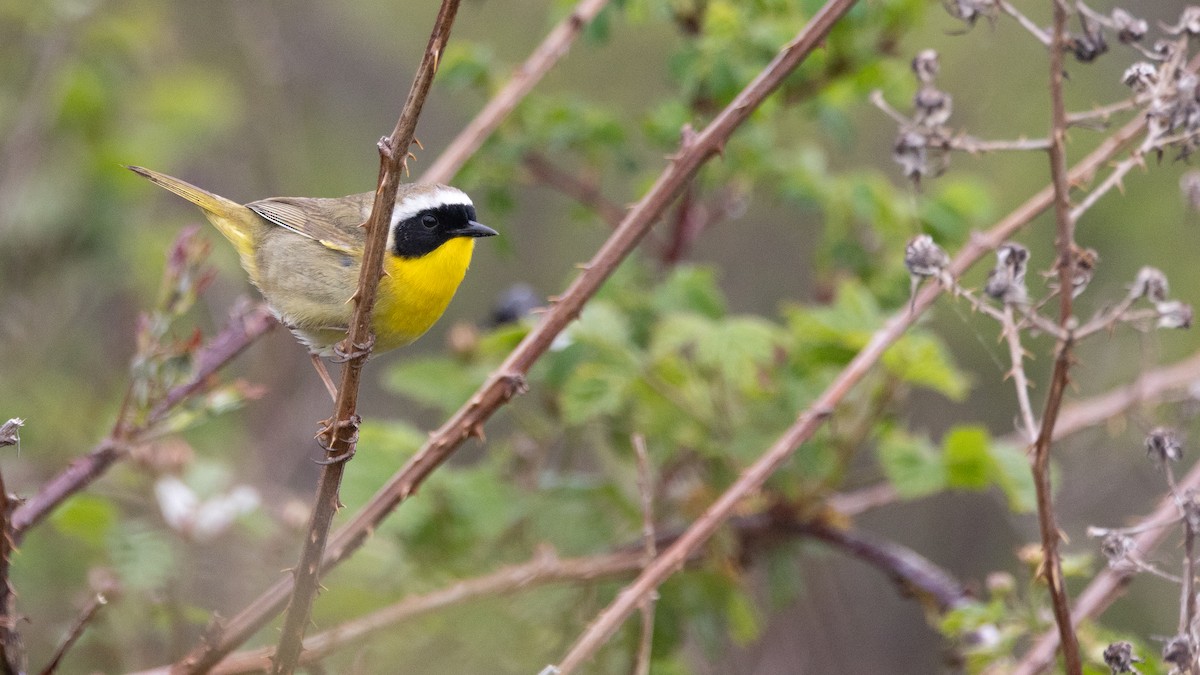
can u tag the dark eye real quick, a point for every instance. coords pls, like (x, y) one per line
(429, 221)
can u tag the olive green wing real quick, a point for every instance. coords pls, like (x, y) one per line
(335, 222)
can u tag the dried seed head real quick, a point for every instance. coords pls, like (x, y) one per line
(924, 258)
(1189, 185)
(1116, 549)
(917, 157)
(1140, 77)
(970, 11)
(1083, 269)
(925, 65)
(1119, 657)
(1006, 281)
(1129, 28)
(1189, 22)
(932, 107)
(1174, 314)
(1164, 445)
(1090, 44)
(1178, 651)
(1151, 284)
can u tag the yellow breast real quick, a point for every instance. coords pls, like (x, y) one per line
(414, 293)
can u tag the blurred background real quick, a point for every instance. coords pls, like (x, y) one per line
(258, 98)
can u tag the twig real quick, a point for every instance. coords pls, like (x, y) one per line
(99, 600)
(976, 146)
(340, 436)
(587, 194)
(641, 663)
(244, 327)
(1028, 24)
(1016, 354)
(1100, 593)
(812, 418)
(913, 574)
(545, 568)
(547, 54)
(12, 650)
(509, 378)
(1102, 113)
(1051, 566)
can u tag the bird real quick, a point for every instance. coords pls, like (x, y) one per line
(304, 255)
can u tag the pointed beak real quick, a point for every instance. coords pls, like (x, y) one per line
(474, 229)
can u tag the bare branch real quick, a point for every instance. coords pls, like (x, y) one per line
(1051, 566)
(93, 607)
(340, 436)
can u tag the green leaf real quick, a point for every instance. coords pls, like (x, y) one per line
(595, 389)
(967, 457)
(678, 334)
(739, 349)
(691, 288)
(602, 325)
(85, 517)
(911, 464)
(744, 624)
(1014, 477)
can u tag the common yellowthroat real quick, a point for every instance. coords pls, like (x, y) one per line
(304, 253)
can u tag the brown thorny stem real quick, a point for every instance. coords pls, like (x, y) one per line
(340, 436)
(1051, 567)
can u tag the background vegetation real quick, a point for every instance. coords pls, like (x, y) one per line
(773, 270)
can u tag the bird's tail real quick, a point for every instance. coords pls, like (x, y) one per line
(241, 226)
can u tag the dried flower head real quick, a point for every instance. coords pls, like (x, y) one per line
(917, 157)
(925, 65)
(1119, 658)
(1089, 45)
(932, 107)
(1006, 281)
(1178, 651)
(1174, 314)
(970, 11)
(1140, 77)
(1189, 22)
(1082, 270)
(924, 258)
(1117, 549)
(1129, 28)
(1151, 284)
(1164, 445)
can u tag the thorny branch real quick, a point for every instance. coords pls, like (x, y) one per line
(340, 436)
(12, 650)
(913, 575)
(1051, 565)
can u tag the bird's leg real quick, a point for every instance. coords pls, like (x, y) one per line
(356, 350)
(319, 365)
